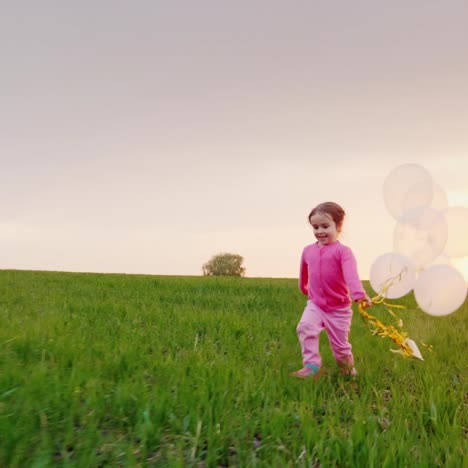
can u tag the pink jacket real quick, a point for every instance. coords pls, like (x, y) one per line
(328, 275)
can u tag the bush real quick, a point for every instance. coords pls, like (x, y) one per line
(224, 264)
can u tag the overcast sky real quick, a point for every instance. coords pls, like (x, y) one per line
(146, 136)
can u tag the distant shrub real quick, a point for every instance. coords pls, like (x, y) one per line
(224, 264)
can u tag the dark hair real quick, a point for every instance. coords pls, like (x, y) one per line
(331, 209)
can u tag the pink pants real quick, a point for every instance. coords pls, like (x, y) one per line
(337, 324)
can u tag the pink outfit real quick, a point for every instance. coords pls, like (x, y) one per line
(328, 276)
(337, 323)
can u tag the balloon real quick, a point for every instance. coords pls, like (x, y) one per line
(457, 219)
(421, 235)
(461, 264)
(397, 270)
(442, 259)
(439, 199)
(440, 290)
(407, 187)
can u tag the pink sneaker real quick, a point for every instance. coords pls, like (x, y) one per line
(308, 371)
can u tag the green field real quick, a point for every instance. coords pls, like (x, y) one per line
(133, 370)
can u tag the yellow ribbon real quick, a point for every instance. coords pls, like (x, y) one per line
(407, 347)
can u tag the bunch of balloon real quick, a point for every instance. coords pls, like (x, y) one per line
(427, 235)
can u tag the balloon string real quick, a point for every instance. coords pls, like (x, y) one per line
(400, 338)
(407, 347)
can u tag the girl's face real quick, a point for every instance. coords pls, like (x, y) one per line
(324, 227)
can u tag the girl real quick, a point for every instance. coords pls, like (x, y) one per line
(328, 276)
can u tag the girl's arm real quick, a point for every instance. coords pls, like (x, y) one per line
(351, 276)
(303, 276)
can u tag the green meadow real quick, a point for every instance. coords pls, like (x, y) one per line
(135, 370)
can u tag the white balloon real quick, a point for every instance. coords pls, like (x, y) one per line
(457, 243)
(442, 259)
(407, 187)
(440, 290)
(395, 270)
(439, 199)
(421, 235)
(461, 264)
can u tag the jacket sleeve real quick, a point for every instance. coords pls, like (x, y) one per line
(351, 276)
(303, 276)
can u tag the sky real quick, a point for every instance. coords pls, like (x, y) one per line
(148, 136)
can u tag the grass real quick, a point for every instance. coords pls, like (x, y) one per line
(130, 370)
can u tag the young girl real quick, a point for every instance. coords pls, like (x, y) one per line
(328, 276)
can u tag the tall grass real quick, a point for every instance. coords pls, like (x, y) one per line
(130, 370)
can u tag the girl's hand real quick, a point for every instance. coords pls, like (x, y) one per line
(365, 302)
